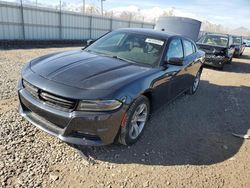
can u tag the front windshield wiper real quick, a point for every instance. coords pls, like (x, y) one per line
(123, 59)
(99, 53)
(112, 56)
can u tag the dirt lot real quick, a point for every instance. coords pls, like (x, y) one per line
(188, 143)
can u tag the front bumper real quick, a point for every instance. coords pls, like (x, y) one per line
(215, 61)
(76, 127)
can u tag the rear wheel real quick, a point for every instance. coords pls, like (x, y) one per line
(135, 121)
(195, 84)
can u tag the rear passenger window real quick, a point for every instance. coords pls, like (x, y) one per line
(188, 47)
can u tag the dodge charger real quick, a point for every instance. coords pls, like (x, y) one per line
(106, 91)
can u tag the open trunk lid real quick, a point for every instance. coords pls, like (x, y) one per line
(183, 26)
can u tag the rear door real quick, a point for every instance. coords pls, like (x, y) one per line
(191, 63)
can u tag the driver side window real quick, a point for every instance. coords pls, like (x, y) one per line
(175, 49)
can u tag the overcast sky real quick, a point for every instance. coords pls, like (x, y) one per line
(230, 13)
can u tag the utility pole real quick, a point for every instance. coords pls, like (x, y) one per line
(22, 17)
(130, 18)
(60, 21)
(102, 6)
(83, 6)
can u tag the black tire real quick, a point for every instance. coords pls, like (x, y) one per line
(193, 89)
(222, 67)
(125, 137)
(237, 56)
(230, 60)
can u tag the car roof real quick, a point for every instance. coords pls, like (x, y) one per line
(214, 34)
(151, 32)
(236, 36)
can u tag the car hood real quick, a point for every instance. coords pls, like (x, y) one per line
(85, 70)
(236, 46)
(211, 49)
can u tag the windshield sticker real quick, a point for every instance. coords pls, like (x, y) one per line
(154, 41)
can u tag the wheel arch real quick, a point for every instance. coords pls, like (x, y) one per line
(201, 68)
(149, 95)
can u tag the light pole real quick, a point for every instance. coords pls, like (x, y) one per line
(22, 17)
(102, 6)
(83, 6)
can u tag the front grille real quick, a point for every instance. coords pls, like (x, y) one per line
(31, 89)
(48, 98)
(57, 101)
(88, 136)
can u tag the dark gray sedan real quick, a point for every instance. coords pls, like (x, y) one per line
(219, 49)
(106, 91)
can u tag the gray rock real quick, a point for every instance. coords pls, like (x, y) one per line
(53, 177)
(145, 184)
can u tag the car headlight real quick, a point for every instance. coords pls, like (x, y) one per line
(98, 105)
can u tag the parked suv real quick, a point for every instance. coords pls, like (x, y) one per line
(238, 45)
(218, 49)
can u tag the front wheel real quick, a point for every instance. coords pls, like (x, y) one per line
(135, 121)
(230, 60)
(195, 84)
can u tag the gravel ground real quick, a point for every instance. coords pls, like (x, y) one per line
(187, 143)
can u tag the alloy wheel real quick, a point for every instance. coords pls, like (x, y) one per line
(138, 120)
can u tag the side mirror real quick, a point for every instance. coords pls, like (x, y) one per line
(90, 41)
(244, 43)
(175, 61)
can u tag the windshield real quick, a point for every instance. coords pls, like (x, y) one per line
(215, 40)
(133, 47)
(237, 40)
